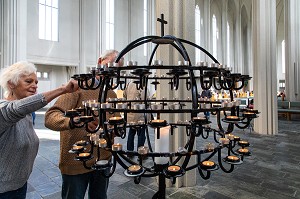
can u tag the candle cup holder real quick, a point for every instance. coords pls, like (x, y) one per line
(243, 151)
(158, 123)
(233, 160)
(71, 113)
(115, 120)
(86, 119)
(84, 156)
(232, 118)
(200, 120)
(173, 171)
(77, 149)
(102, 165)
(243, 143)
(249, 115)
(81, 143)
(134, 170)
(209, 165)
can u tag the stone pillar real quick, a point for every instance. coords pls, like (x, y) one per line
(181, 23)
(264, 65)
(292, 43)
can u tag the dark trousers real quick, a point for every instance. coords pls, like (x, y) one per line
(74, 186)
(141, 138)
(16, 194)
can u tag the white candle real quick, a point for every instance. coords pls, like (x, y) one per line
(162, 144)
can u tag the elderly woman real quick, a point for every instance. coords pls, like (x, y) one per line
(18, 141)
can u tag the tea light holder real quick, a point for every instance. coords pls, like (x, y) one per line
(134, 170)
(232, 118)
(224, 141)
(200, 120)
(81, 143)
(158, 123)
(232, 159)
(84, 156)
(76, 148)
(174, 171)
(243, 151)
(243, 143)
(143, 150)
(117, 147)
(71, 113)
(101, 165)
(115, 120)
(208, 165)
(102, 143)
(230, 136)
(86, 118)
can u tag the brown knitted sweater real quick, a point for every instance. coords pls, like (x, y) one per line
(55, 120)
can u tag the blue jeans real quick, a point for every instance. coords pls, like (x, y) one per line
(74, 186)
(141, 138)
(16, 194)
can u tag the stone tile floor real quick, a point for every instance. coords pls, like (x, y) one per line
(273, 171)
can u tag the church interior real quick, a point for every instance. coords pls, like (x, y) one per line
(246, 50)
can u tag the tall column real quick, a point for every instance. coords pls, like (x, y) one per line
(14, 31)
(264, 64)
(292, 43)
(181, 23)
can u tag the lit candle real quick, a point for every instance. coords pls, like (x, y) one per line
(232, 158)
(209, 147)
(207, 164)
(237, 138)
(81, 143)
(162, 144)
(243, 143)
(83, 156)
(134, 169)
(94, 137)
(230, 136)
(232, 118)
(243, 151)
(102, 143)
(115, 120)
(174, 169)
(143, 150)
(224, 141)
(199, 120)
(158, 122)
(77, 148)
(116, 147)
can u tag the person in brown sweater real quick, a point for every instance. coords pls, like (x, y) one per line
(75, 178)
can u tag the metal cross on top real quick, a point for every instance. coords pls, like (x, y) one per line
(162, 21)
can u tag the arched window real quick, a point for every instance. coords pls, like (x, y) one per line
(215, 36)
(110, 23)
(197, 31)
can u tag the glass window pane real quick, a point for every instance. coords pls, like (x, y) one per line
(55, 3)
(38, 74)
(41, 22)
(45, 75)
(48, 23)
(48, 2)
(54, 24)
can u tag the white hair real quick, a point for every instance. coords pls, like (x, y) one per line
(107, 53)
(12, 74)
